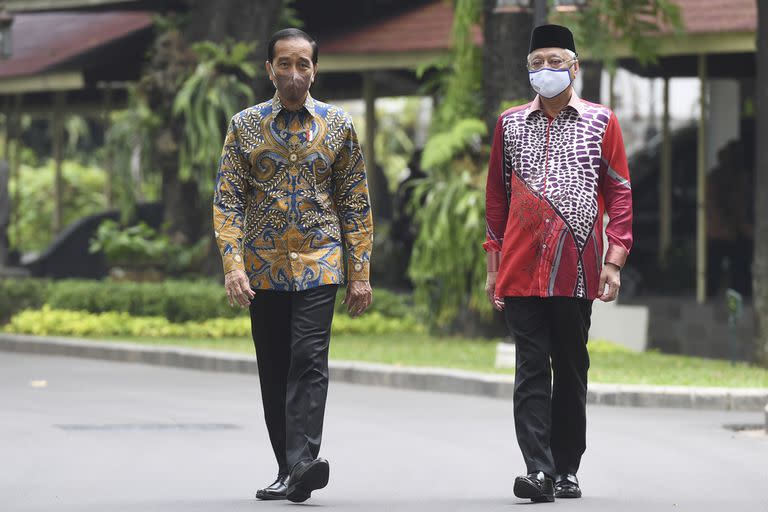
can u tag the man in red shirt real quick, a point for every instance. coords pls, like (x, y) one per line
(557, 165)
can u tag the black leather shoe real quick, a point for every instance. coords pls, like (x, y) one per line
(567, 486)
(276, 491)
(307, 476)
(537, 487)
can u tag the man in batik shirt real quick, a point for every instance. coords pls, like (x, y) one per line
(292, 219)
(557, 164)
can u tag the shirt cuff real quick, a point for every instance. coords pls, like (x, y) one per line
(233, 261)
(358, 270)
(616, 255)
(492, 246)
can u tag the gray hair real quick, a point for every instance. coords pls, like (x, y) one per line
(571, 54)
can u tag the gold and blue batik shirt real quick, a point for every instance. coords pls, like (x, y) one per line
(291, 203)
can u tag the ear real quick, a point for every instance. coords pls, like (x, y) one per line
(314, 73)
(576, 69)
(268, 69)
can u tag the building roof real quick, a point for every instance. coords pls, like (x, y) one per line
(425, 28)
(713, 16)
(48, 41)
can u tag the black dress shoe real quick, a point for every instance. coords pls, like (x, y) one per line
(307, 476)
(537, 487)
(567, 486)
(276, 491)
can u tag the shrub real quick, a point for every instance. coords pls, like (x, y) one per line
(48, 321)
(20, 294)
(177, 301)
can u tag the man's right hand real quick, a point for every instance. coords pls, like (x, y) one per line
(490, 289)
(238, 288)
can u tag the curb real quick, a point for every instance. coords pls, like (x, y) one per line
(419, 379)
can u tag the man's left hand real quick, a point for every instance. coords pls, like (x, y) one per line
(611, 275)
(359, 297)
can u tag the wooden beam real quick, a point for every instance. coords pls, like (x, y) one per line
(665, 184)
(61, 81)
(108, 161)
(693, 44)
(51, 5)
(701, 188)
(379, 61)
(369, 96)
(58, 150)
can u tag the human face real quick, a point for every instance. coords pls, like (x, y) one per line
(291, 69)
(553, 58)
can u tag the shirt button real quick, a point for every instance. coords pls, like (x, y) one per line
(358, 266)
(294, 256)
(237, 257)
(544, 246)
(547, 221)
(294, 157)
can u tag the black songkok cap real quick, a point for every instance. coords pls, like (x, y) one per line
(551, 36)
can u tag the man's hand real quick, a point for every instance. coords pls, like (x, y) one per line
(611, 275)
(359, 297)
(238, 288)
(490, 289)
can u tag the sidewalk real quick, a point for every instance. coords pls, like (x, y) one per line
(422, 379)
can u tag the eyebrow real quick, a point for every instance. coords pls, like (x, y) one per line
(548, 55)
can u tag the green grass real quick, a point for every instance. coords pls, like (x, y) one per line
(609, 363)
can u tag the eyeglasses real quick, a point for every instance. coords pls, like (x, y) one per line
(554, 63)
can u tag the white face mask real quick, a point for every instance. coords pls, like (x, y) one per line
(550, 82)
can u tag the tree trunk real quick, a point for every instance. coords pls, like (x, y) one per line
(760, 265)
(186, 216)
(591, 75)
(505, 77)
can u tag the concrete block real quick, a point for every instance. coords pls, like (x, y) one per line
(625, 325)
(505, 355)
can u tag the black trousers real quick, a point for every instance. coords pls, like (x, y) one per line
(291, 332)
(550, 380)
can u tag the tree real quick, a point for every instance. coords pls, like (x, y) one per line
(505, 77)
(448, 204)
(173, 62)
(760, 265)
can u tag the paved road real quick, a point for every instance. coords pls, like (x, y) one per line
(119, 437)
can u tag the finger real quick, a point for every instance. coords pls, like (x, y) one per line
(229, 296)
(248, 290)
(601, 288)
(242, 296)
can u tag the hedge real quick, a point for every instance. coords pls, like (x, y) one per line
(48, 322)
(176, 301)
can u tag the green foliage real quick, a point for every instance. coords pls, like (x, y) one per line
(289, 17)
(636, 23)
(445, 147)
(447, 264)
(395, 133)
(460, 82)
(134, 246)
(447, 261)
(129, 143)
(82, 194)
(216, 89)
(175, 300)
(19, 294)
(48, 321)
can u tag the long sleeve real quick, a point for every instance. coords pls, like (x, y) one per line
(354, 206)
(617, 194)
(496, 205)
(229, 200)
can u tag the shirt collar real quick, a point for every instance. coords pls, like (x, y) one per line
(575, 103)
(277, 105)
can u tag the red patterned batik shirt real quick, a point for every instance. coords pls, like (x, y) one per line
(549, 183)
